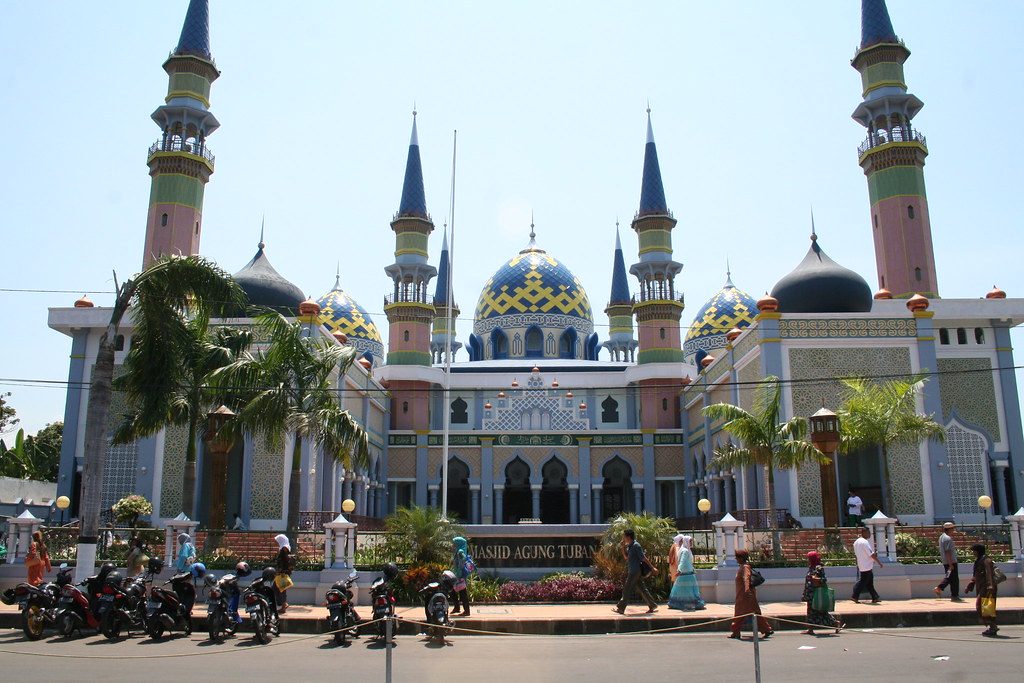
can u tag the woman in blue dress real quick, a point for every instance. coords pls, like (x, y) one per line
(685, 593)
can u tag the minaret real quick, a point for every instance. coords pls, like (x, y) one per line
(892, 157)
(442, 311)
(658, 307)
(179, 162)
(408, 308)
(621, 345)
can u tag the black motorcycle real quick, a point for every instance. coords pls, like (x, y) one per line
(383, 601)
(261, 606)
(437, 599)
(222, 606)
(38, 604)
(171, 609)
(123, 604)
(341, 613)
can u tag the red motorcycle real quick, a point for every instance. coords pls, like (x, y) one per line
(78, 608)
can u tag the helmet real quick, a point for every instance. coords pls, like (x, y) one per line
(156, 565)
(269, 574)
(114, 578)
(448, 577)
(105, 569)
(391, 570)
(198, 570)
(242, 569)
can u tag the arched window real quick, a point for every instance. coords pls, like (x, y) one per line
(534, 343)
(405, 407)
(662, 333)
(664, 404)
(917, 274)
(499, 345)
(609, 410)
(163, 221)
(119, 342)
(979, 335)
(943, 335)
(405, 336)
(567, 344)
(961, 335)
(876, 220)
(910, 211)
(459, 414)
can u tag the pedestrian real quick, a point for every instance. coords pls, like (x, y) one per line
(746, 599)
(947, 555)
(685, 594)
(239, 525)
(284, 565)
(984, 580)
(854, 508)
(636, 561)
(462, 566)
(815, 579)
(673, 557)
(867, 558)
(186, 552)
(37, 559)
(137, 557)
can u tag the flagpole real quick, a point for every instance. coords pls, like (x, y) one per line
(449, 332)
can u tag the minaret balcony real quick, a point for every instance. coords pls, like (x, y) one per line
(409, 298)
(895, 135)
(196, 149)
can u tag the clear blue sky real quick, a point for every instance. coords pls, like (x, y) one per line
(751, 107)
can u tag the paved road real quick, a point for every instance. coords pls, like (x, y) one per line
(882, 655)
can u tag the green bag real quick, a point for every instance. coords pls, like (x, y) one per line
(823, 599)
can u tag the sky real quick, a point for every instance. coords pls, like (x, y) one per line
(750, 103)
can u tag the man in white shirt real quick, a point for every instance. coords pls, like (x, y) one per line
(854, 508)
(947, 555)
(867, 558)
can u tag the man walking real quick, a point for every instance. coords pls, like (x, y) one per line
(867, 558)
(636, 560)
(947, 555)
(854, 508)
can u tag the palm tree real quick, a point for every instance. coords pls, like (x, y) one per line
(161, 298)
(766, 442)
(421, 535)
(289, 386)
(165, 385)
(884, 414)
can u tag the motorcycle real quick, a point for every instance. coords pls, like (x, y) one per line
(123, 604)
(79, 608)
(261, 606)
(169, 609)
(341, 613)
(437, 598)
(383, 601)
(38, 604)
(222, 606)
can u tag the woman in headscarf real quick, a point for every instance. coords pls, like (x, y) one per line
(746, 600)
(673, 557)
(814, 579)
(37, 560)
(461, 575)
(984, 580)
(685, 593)
(186, 552)
(283, 564)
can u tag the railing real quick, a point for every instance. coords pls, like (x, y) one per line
(315, 519)
(410, 297)
(895, 135)
(198, 149)
(761, 519)
(642, 298)
(112, 543)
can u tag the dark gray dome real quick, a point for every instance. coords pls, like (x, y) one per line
(820, 285)
(265, 287)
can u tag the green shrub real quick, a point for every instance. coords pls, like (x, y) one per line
(909, 545)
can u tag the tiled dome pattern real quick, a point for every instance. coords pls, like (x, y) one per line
(533, 282)
(730, 307)
(341, 313)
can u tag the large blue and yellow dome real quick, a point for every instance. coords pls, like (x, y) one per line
(730, 307)
(341, 313)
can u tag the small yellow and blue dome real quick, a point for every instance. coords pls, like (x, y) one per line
(730, 307)
(341, 313)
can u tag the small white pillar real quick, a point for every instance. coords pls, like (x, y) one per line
(19, 535)
(728, 539)
(1016, 521)
(340, 534)
(883, 532)
(174, 527)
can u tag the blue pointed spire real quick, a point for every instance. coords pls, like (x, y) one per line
(414, 201)
(620, 285)
(652, 192)
(195, 32)
(443, 273)
(875, 25)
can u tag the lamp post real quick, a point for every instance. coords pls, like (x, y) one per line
(704, 505)
(347, 506)
(62, 504)
(985, 502)
(825, 437)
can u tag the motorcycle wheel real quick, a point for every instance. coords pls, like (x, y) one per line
(339, 634)
(110, 625)
(32, 622)
(66, 624)
(155, 627)
(214, 625)
(259, 630)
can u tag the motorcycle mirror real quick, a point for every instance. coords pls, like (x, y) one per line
(63, 565)
(354, 574)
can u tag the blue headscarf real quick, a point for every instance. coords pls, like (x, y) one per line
(461, 553)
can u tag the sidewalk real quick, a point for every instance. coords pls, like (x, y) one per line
(597, 618)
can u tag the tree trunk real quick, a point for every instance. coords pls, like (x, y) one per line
(890, 503)
(773, 523)
(295, 485)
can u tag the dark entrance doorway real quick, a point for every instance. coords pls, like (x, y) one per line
(458, 490)
(517, 492)
(618, 488)
(554, 493)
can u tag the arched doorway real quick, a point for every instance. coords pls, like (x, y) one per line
(617, 489)
(554, 493)
(458, 490)
(517, 492)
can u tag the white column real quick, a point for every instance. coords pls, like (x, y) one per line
(19, 535)
(1016, 521)
(728, 539)
(883, 531)
(341, 534)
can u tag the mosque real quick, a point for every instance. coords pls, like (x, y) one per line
(549, 422)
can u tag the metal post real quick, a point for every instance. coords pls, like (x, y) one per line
(387, 648)
(757, 650)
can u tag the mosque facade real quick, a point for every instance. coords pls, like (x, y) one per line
(545, 420)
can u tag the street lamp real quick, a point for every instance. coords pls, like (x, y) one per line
(985, 502)
(62, 504)
(348, 505)
(704, 505)
(825, 437)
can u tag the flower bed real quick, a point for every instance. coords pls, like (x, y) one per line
(561, 588)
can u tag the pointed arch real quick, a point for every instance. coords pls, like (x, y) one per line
(567, 344)
(499, 344)
(617, 489)
(554, 492)
(534, 342)
(517, 504)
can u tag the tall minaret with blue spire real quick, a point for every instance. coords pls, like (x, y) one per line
(408, 308)
(444, 312)
(621, 345)
(893, 157)
(658, 306)
(179, 162)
